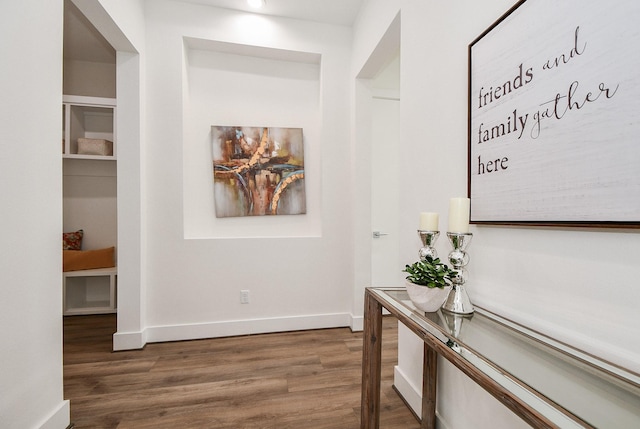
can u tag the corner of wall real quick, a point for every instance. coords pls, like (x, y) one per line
(411, 395)
(356, 323)
(129, 340)
(409, 392)
(60, 418)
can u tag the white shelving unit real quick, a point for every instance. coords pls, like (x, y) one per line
(89, 291)
(87, 117)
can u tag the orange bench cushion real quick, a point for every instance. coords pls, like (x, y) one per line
(75, 260)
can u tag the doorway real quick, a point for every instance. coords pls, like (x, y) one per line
(385, 175)
(377, 109)
(128, 133)
(89, 198)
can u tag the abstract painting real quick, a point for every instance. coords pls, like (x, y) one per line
(258, 171)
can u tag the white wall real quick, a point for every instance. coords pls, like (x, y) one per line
(90, 201)
(31, 227)
(578, 285)
(298, 277)
(274, 92)
(89, 78)
(122, 24)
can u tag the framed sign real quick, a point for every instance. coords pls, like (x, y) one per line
(554, 115)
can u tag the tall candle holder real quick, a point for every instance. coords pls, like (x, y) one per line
(428, 239)
(458, 301)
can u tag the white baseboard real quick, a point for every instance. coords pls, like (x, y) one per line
(357, 323)
(129, 340)
(59, 419)
(196, 331)
(412, 395)
(155, 334)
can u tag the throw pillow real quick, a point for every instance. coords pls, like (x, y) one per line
(72, 240)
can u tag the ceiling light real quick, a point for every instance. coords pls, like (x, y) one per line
(257, 3)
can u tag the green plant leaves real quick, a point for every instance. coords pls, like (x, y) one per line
(430, 273)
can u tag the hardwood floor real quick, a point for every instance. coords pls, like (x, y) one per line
(302, 380)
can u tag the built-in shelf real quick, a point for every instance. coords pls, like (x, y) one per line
(88, 118)
(89, 291)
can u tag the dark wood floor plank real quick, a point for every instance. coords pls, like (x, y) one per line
(307, 379)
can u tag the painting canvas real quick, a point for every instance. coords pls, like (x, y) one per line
(258, 171)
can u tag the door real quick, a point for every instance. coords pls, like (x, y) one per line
(385, 182)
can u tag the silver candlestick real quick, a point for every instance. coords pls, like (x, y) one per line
(458, 301)
(428, 239)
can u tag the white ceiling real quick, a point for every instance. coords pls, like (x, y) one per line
(341, 12)
(82, 42)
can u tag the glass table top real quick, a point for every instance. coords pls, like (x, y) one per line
(541, 371)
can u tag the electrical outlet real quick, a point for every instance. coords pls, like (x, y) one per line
(244, 296)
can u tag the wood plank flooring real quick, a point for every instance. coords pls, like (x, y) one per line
(302, 380)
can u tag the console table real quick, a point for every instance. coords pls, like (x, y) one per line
(547, 383)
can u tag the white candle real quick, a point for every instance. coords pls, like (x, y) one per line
(428, 221)
(459, 215)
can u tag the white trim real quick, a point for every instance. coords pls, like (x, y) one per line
(357, 323)
(89, 101)
(412, 395)
(230, 328)
(129, 340)
(60, 418)
(196, 331)
(386, 94)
